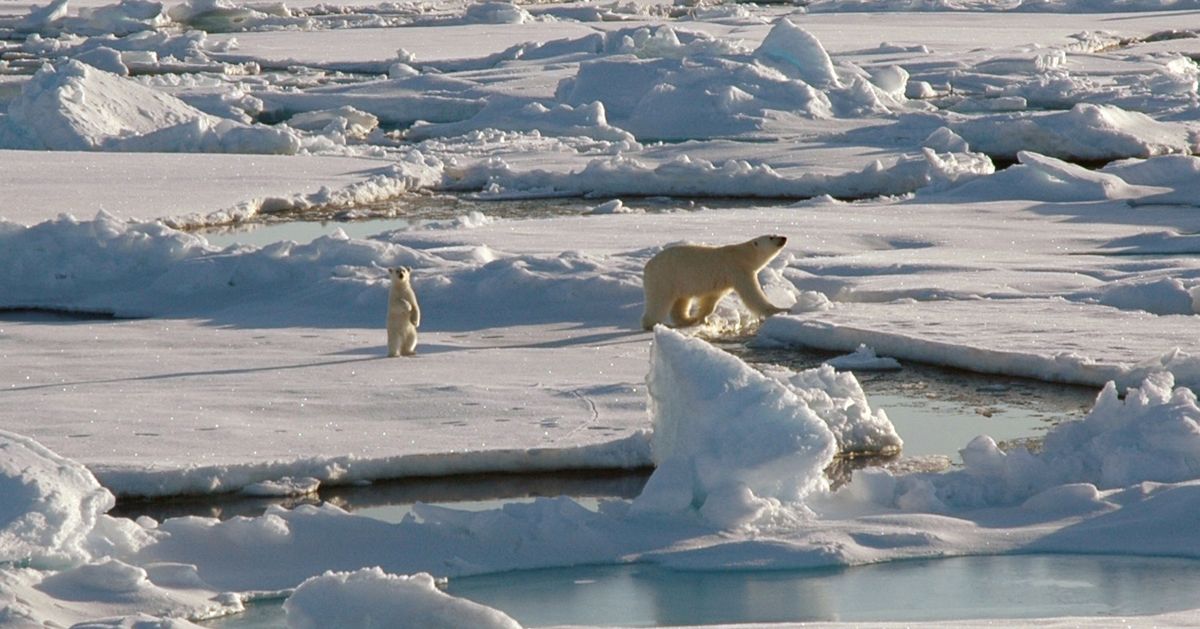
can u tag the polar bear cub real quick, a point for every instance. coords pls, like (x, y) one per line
(404, 314)
(683, 276)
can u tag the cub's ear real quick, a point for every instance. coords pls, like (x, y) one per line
(407, 270)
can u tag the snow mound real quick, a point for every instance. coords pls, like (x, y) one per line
(123, 18)
(1161, 296)
(1086, 132)
(286, 486)
(137, 269)
(77, 107)
(496, 13)
(693, 98)
(1041, 178)
(586, 120)
(838, 399)
(1151, 435)
(50, 504)
(372, 598)
(729, 442)
(686, 176)
(795, 52)
(863, 359)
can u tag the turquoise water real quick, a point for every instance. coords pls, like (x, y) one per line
(1002, 587)
(1020, 586)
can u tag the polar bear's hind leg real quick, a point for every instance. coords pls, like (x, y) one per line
(681, 312)
(657, 309)
(393, 342)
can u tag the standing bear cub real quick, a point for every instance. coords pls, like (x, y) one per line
(404, 315)
(680, 275)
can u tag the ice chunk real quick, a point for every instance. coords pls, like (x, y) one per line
(863, 359)
(798, 54)
(726, 433)
(78, 107)
(48, 504)
(372, 598)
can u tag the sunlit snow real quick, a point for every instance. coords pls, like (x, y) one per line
(1004, 187)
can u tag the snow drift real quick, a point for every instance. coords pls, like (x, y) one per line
(76, 107)
(50, 506)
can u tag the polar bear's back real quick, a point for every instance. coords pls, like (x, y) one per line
(690, 269)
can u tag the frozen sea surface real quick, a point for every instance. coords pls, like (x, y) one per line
(923, 161)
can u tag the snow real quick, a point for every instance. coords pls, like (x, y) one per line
(51, 504)
(863, 359)
(728, 442)
(79, 107)
(370, 597)
(878, 137)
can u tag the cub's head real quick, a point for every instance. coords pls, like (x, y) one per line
(400, 274)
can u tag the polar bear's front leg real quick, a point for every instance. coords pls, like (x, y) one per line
(752, 295)
(707, 304)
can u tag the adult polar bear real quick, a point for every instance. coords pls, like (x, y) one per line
(679, 275)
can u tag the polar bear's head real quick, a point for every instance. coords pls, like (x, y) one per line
(766, 247)
(760, 251)
(400, 274)
(769, 242)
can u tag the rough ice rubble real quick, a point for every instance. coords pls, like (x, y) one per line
(123, 18)
(1087, 132)
(728, 442)
(372, 598)
(78, 107)
(798, 54)
(51, 505)
(409, 171)
(673, 97)
(1041, 178)
(137, 269)
(741, 447)
(1153, 435)
(695, 177)
(1159, 180)
(58, 548)
(863, 359)
(587, 120)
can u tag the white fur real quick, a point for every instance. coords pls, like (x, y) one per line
(404, 314)
(678, 276)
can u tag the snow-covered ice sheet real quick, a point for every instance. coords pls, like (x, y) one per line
(166, 407)
(163, 185)
(1093, 344)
